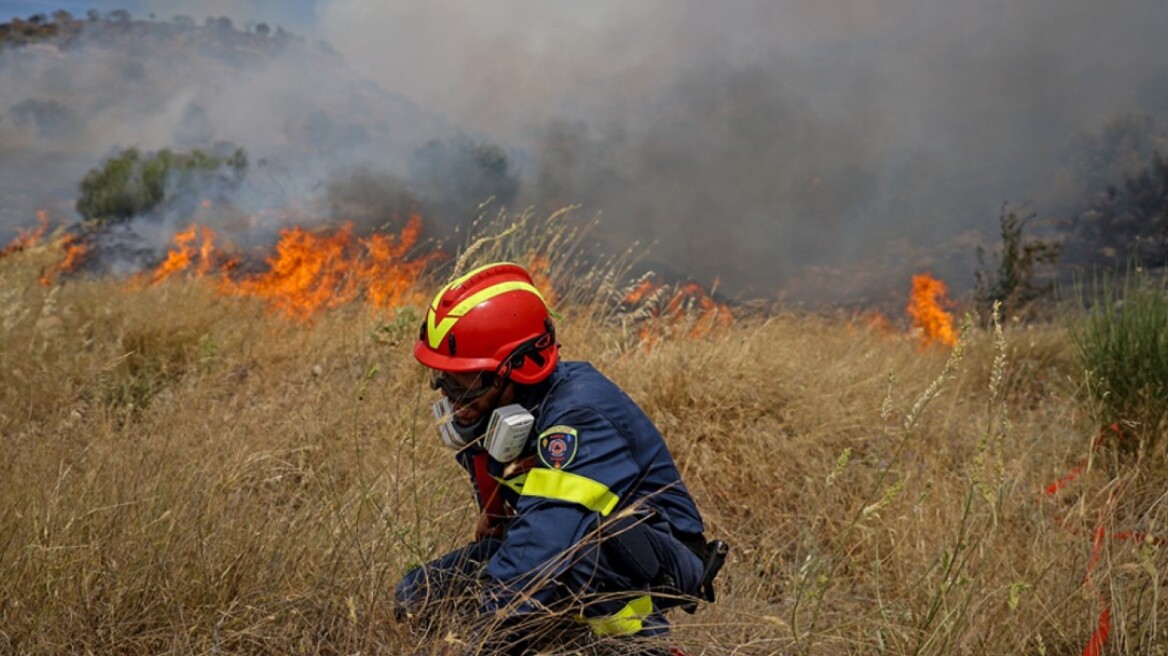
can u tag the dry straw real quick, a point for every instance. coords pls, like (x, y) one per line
(184, 473)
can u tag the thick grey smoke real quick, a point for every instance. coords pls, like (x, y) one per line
(753, 139)
(824, 147)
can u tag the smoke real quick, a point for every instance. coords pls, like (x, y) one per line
(321, 141)
(753, 140)
(820, 147)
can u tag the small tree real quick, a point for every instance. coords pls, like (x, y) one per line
(1014, 280)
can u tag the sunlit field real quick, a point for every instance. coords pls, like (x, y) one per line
(189, 469)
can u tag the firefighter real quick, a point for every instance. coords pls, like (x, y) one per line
(583, 511)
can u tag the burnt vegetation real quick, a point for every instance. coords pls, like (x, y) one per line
(1119, 212)
(1126, 222)
(1114, 220)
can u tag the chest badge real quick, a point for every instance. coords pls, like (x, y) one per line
(558, 446)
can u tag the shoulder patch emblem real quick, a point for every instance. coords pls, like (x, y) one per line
(558, 446)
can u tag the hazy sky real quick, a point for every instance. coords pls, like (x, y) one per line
(753, 138)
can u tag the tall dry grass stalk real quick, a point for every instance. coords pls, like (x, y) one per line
(183, 473)
(556, 248)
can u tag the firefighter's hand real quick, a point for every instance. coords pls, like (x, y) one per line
(490, 526)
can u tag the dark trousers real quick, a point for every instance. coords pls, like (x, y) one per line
(637, 555)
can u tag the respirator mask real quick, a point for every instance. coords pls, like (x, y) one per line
(508, 427)
(507, 430)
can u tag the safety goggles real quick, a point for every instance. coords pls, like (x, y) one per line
(456, 391)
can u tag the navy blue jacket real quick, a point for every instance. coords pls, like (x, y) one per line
(596, 453)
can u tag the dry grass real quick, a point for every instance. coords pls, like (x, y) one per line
(183, 473)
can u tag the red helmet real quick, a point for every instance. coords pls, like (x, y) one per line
(491, 319)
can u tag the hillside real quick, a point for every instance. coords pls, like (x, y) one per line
(319, 137)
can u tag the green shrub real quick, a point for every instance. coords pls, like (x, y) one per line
(130, 183)
(1123, 344)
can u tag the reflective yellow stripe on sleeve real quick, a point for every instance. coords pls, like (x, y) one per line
(625, 622)
(562, 486)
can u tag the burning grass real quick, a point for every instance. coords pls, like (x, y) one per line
(189, 472)
(309, 271)
(927, 307)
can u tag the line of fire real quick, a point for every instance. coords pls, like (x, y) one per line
(310, 271)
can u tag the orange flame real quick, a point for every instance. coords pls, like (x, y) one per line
(28, 238)
(691, 297)
(540, 269)
(666, 309)
(309, 271)
(926, 307)
(386, 273)
(76, 251)
(180, 257)
(641, 292)
(878, 323)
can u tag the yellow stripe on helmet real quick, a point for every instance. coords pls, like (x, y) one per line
(436, 330)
